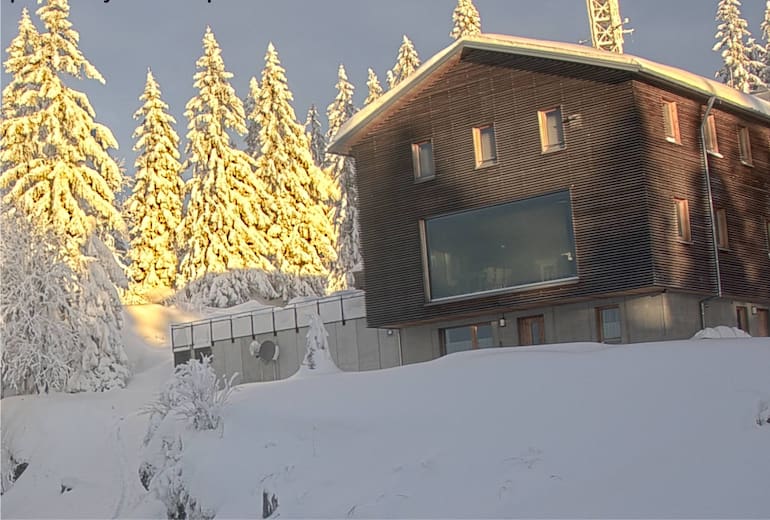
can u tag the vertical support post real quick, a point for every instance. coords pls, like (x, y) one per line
(296, 324)
(272, 314)
(342, 311)
(232, 339)
(251, 316)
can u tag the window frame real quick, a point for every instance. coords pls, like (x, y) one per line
(542, 119)
(723, 237)
(682, 220)
(416, 163)
(744, 146)
(474, 336)
(600, 324)
(767, 234)
(477, 151)
(432, 300)
(742, 318)
(712, 142)
(671, 122)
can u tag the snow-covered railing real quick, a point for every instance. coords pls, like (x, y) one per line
(203, 333)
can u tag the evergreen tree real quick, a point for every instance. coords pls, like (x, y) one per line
(63, 180)
(375, 89)
(301, 236)
(467, 21)
(317, 139)
(342, 169)
(739, 69)
(64, 173)
(406, 63)
(252, 128)
(154, 209)
(224, 226)
(765, 55)
(19, 122)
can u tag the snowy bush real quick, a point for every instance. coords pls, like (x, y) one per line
(228, 289)
(318, 358)
(194, 394)
(168, 485)
(39, 317)
(10, 468)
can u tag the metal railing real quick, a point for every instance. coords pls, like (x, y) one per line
(203, 333)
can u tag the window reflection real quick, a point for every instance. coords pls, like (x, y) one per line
(502, 246)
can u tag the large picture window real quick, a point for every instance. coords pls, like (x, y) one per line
(500, 247)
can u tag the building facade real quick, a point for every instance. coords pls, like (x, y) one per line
(516, 192)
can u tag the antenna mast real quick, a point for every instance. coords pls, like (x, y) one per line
(606, 25)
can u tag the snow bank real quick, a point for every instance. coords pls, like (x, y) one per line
(668, 429)
(720, 332)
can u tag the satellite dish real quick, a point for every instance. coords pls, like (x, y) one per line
(267, 351)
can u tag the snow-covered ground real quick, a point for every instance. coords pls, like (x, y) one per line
(573, 430)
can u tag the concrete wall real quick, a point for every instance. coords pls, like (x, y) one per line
(656, 317)
(353, 347)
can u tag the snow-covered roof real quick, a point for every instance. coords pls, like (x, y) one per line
(345, 137)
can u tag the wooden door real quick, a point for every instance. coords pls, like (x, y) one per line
(763, 322)
(531, 330)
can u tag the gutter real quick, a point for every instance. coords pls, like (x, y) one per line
(714, 245)
(707, 172)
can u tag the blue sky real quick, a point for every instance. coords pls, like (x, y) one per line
(124, 37)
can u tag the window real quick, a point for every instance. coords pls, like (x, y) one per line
(469, 337)
(722, 238)
(484, 145)
(767, 232)
(551, 130)
(682, 216)
(742, 316)
(744, 146)
(422, 160)
(711, 135)
(499, 247)
(608, 324)
(671, 122)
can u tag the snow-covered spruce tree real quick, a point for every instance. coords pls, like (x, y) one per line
(765, 55)
(40, 322)
(224, 226)
(64, 180)
(407, 62)
(70, 175)
(343, 171)
(302, 244)
(318, 358)
(375, 89)
(739, 66)
(316, 136)
(252, 128)
(154, 209)
(467, 21)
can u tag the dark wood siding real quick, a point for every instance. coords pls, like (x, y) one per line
(743, 191)
(601, 165)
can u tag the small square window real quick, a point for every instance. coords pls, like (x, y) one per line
(722, 239)
(422, 160)
(711, 135)
(551, 130)
(671, 122)
(682, 216)
(744, 146)
(608, 324)
(484, 145)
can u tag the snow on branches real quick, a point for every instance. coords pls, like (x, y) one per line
(737, 48)
(467, 21)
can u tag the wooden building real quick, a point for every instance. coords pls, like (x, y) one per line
(515, 191)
